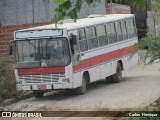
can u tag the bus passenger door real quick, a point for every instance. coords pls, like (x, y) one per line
(74, 47)
(75, 56)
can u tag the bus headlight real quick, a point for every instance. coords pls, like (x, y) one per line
(65, 79)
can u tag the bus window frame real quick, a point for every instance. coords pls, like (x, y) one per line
(121, 21)
(118, 24)
(82, 39)
(131, 27)
(105, 34)
(114, 33)
(95, 37)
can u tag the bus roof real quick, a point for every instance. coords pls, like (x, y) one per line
(84, 22)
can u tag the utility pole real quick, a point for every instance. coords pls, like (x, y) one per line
(33, 24)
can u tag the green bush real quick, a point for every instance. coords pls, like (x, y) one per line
(152, 46)
(7, 79)
(146, 109)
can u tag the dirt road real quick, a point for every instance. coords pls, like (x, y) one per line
(140, 87)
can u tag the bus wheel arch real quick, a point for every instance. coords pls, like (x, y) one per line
(85, 80)
(86, 74)
(121, 63)
(117, 77)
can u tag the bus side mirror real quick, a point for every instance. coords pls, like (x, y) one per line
(73, 42)
(74, 39)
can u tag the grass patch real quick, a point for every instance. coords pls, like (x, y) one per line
(7, 80)
(152, 107)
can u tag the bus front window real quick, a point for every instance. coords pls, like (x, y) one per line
(54, 52)
(42, 53)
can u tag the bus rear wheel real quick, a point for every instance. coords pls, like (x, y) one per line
(82, 89)
(117, 77)
(38, 94)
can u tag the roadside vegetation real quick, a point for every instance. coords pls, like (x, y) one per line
(151, 44)
(152, 107)
(7, 80)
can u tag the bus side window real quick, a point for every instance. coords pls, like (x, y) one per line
(124, 30)
(119, 31)
(134, 27)
(82, 40)
(131, 28)
(91, 36)
(101, 35)
(111, 32)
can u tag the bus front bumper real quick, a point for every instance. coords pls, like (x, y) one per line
(44, 86)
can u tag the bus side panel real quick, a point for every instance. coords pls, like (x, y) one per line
(77, 79)
(114, 56)
(106, 65)
(128, 60)
(103, 62)
(95, 66)
(94, 73)
(105, 70)
(84, 65)
(69, 71)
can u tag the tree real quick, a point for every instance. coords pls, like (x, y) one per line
(152, 46)
(70, 8)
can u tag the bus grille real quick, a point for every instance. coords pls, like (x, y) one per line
(41, 78)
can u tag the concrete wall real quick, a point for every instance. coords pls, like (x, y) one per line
(18, 14)
(15, 12)
(113, 8)
(95, 8)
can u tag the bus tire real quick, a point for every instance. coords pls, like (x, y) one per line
(38, 94)
(117, 77)
(82, 89)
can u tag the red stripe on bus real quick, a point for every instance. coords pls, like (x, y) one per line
(101, 58)
(37, 71)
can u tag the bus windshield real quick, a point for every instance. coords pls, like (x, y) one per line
(42, 53)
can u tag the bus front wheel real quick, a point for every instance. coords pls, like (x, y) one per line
(117, 77)
(82, 89)
(38, 94)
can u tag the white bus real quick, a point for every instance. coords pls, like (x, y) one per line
(71, 54)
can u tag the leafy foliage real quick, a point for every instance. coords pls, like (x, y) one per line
(139, 4)
(152, 44)
(7, 80)
(71, 8)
